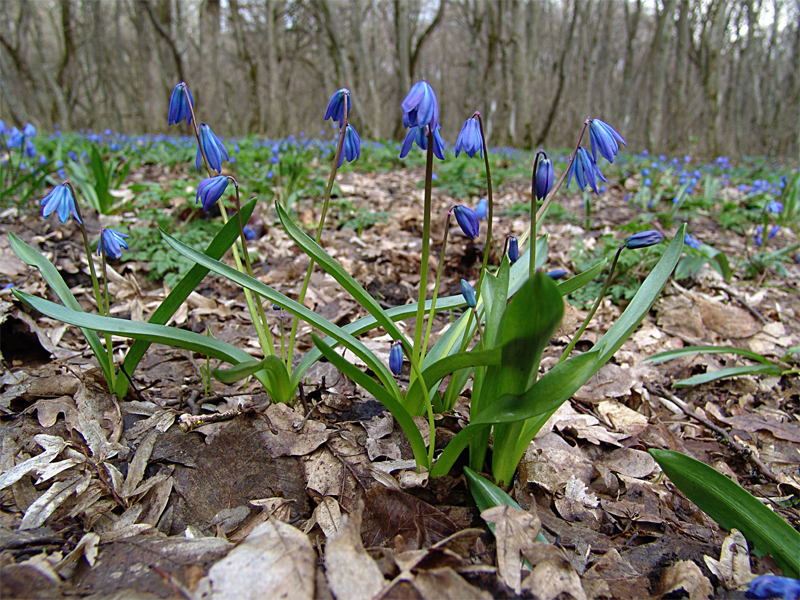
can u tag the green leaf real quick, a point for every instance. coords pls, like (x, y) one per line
(279, 387)
(733, 507)
(729, 372)
(393, 403)
(581, 279)
(692, 350)
(216, 249)
(33, 258)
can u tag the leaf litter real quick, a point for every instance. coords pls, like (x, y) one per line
(101, 497)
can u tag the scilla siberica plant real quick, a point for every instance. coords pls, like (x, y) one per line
(514, 309)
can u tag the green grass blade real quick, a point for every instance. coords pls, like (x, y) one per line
(216, 249)
(692, 350)
(732, 506)
(729, 372)
(33, 258)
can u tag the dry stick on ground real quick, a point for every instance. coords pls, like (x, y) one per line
(741, 301)
(660, 392)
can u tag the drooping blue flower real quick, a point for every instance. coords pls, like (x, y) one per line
(585, 170)
(774, 207)
(29, 131)
(773, 232)
(513, 250)
(214, 149)
(556, 274)
(30, 149)
(396, 358)
(604, 139)
(647, 182)
(774, 586)
(420, 107)
(179, 105)
(643, 239)
(335, 108)
(3, 128)
(210, 190)
(14, 139)
(467, 220)
(692, 242)
(468, 293)
(758, 236)
(469, 140)
(351, 148)
(482, 210)
(417, 134)
(111, 243)
(60, 201)
(544, 178)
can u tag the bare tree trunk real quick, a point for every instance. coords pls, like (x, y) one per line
(209, 90)
(659, 54)
(403, 48)
(711, 47)
(629, 71)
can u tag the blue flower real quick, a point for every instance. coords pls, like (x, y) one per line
(14, 139)
(3, 128)
(396, 358)
(643, 239)
(210, 190)
(773, 232)
(417, 134)
(179, 105)
(469, 140)
(111, 243)
(420, 107)
(29, 131)
(556, 274)
(468, 221)
(513, 250)
(774, 207)
(773, 586)
(468, 293)
(249, 233)
(214, 149)
(335, 108)
(585, 170)
(604, 139)
(645, 172)
(647, 182)
(482, 210)
(544, 178)
(351, 149)
(692, 242)
(60, 201)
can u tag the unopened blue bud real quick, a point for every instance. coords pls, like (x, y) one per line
(556, 274)
(210, 190)
(482, 210)
(335, 108)
(396, 358)
(774, 586)
(469, 140)
(513, 250)
(604, 139)
(179, 105)
(468, 221)
(468, 293)
(643, 239)
(544, 178)
(351, 148)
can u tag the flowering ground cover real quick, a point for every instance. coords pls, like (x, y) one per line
(185, 484)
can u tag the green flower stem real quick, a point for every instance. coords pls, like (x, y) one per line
(532, 244)
(426, 234)
(587, 201)
(596, 305)
(331, 178)
(109, 347)
(266, 342)
(428, 406)
(436, 287)
(96, 285)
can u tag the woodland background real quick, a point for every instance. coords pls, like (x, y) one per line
(706, 77)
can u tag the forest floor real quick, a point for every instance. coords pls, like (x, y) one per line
(322, 499)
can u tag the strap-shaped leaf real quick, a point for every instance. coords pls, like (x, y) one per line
(581, 279)
(279, 387)
(732, 506)
(692, 350)
(729, 372)
(216, 249)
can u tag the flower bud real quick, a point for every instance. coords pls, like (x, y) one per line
(467, 220)
(468, 293)
(396, 358)
(643, 239)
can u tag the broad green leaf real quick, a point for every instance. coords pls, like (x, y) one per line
(295, 308)
(692, 350)
(383, 396)
(279, 387)
(216, 249)
(729, 372)
(33, 258)
(581, 279)
(732, 506)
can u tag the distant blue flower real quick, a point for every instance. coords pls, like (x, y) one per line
(585, 170)
(29, 131)
(482, 210)
(556, 274)
(604, 139)
(111, 243)
(3, 128)
(396, 358)
(30, 149)
(467, 220)
(774, 207)
(14, 139)
(214, 149)
(544, 178)
(692, 242)
(643, 239)
(647, 182)
(773, 232)
(417, 134)
(645, 172)
(335, 108)
(179, 105)
(420, 107)
(60, 201)
(773, 586)
(351, 149)
(210, 190)
(513, 250)
(469, 140)
(249, 232)
(468, 293)
(758, 236)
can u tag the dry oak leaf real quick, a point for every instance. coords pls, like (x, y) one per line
(515, 531)
(733, 566)
(686, 576)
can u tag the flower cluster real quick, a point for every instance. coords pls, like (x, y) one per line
(604, 140)
(421, 116)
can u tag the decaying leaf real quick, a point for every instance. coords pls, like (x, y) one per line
(515, 531)
(686, 576)
(327, 515)
(733, 566)
(53, 445)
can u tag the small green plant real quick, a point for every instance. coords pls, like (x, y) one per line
(98, 179)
